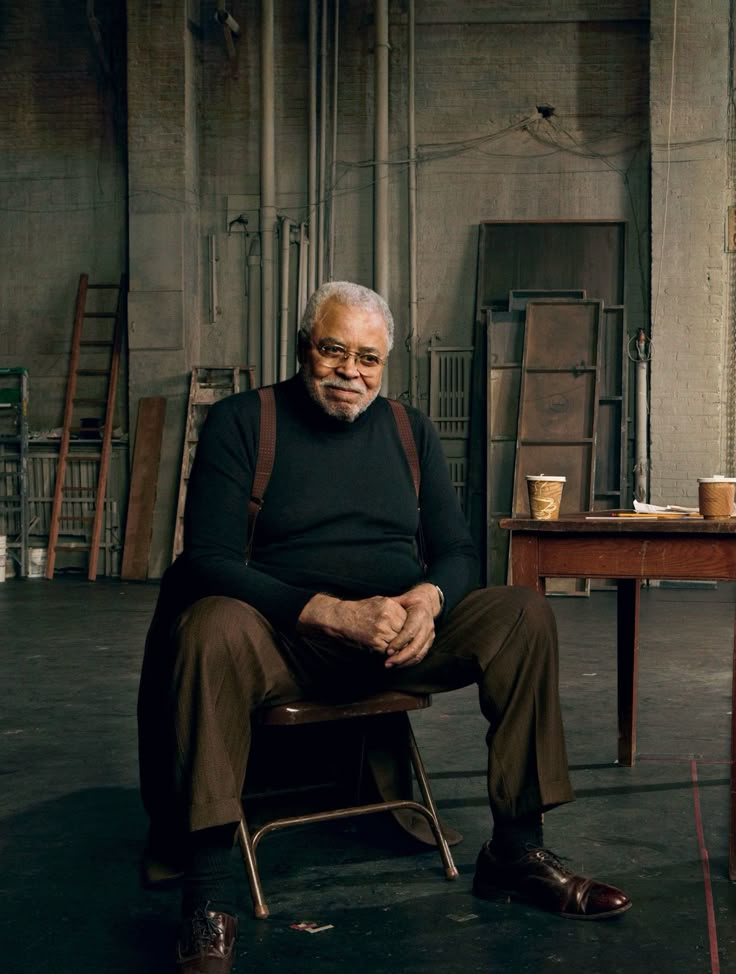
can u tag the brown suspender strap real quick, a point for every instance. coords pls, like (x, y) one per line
(264, 462)
(407, 440)
(267, 454)
(410, 449)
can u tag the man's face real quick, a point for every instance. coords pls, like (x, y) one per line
(342, 391)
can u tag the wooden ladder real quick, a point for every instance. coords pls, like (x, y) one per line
(207, 385)
(95, 359)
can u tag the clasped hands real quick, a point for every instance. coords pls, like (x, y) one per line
(401, 627)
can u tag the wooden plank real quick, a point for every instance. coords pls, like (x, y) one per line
(558, 406)
(143, 479)
(549, 255)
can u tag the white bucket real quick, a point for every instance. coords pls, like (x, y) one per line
(37, 562)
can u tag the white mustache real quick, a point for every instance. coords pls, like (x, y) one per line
(341, 384)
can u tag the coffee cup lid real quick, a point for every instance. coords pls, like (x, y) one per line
(717, 480)
(544, 476)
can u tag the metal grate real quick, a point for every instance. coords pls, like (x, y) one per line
(449, 390)
(449, 408)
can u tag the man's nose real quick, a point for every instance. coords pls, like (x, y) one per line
(349, 367)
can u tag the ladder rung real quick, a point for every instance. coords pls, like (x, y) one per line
(103, 287)
(76, 546)
(76, 517)
(100, 314)
(93, 372)
(78, 490)
(96, 343)
(85, 401)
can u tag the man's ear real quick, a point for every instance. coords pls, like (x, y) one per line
(302, 344)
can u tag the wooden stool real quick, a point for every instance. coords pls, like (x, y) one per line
(313, 712)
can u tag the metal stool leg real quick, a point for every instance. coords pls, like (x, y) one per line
(421, 775)
(260, 909)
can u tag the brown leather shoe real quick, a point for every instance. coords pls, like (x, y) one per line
(539, 878)
(206, 943)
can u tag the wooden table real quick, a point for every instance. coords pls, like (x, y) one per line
(630, 550)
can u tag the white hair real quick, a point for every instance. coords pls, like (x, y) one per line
(352, 295)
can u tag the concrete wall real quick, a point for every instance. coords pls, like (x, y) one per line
(165, 229)
(484, 153)
(691, 190)
(62, 182)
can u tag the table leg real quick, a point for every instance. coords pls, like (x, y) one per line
(525, 562)
(732, 801)
(628, 661)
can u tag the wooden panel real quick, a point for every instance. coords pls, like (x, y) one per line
(505, 346)
(517, 261)
(518, 300)
(558, 406)
(550, 255)
(608, 475)
(143, 479)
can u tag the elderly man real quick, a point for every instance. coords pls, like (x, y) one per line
(333, 598)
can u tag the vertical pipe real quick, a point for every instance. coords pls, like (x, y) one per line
(380, 152)
(413, 310)
(268, 192)
(252, 271)
(641, 468)
(285, 231)
(312, 191)
(303, 276)
(333, 174)
(302, 284)
(322, 146)
(213, 277)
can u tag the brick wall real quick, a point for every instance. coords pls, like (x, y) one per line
(481, 70)
(689, 270)
(62, 183)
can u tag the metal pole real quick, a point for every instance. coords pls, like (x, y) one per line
(381, 143)
(284, 321)
(312, 201)
(413, 309)
(641, 468)
(321, 202)
(268, 192)
(333, 173)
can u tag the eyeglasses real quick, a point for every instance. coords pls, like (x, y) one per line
(334, 355)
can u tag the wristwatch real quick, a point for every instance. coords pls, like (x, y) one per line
(442, 597)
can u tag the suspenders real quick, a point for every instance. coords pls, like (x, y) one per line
(267, 453)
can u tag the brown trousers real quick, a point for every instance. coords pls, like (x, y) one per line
(223, 660)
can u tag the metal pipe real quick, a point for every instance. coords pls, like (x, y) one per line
(268, 192)
(641, 467)
(212, 240)
(333, 173)
(285, 230)
(380, 152)
(322, 146)
(253, 269)
(312, 190)
(303, 275)
(413, 308)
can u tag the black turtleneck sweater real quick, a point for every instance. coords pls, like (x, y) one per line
(340, 511)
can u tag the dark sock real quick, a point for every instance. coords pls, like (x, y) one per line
(208, 881)
(514, 838)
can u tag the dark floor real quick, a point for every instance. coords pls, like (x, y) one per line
(72, 823)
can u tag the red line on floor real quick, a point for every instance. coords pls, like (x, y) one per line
(688, 761)
(715, 965)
